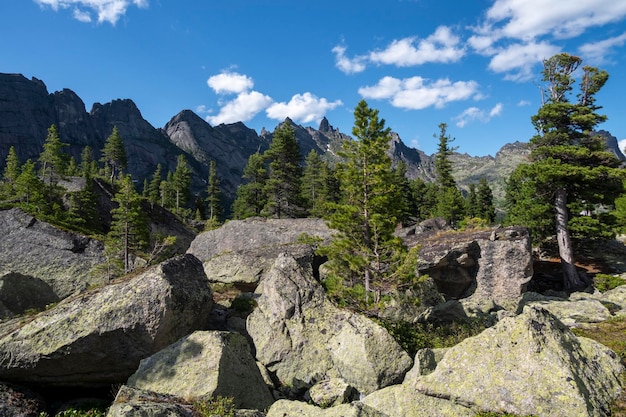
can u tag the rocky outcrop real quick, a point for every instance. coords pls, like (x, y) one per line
(63, 260)
(531, 364)
(206, 364)
(241, 251)
(99, 337)
(20, 293)
(491, 265)
(302, 338)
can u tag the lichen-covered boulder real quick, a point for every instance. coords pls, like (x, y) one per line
(616, 296)
(286, 408)
(573, 312)
(20, 293)
(302, 338)
(332, 392)
(206, 364)
(134, 402)
(62, 259)
(242, 250)
(402, 400)
(531, 364)
(99, 336)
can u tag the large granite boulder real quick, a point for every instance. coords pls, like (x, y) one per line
(302, 338)
(241, 251)
(99, 336)
(286, 408)
(531, 364)
(206, 364)
(484, 265)
(61, 259)
(21, 293)
(134, 402)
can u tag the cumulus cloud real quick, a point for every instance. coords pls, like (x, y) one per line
(441, 46)
(417, 93)
(107, 10)
(474, 113)
(345, 64)
(597, 52)
(622, 145)
(517, 60)
(241, 109)
(302, 108)
(230, 82)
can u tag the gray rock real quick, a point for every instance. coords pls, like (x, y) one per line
(286, 408)
(205, 364)
(19, 293)
(489, 265)
(241, 251)
(134, 402)
(529, 364)
(99, 337)
(401, 400)
(425, 362)
(302, 338)
(575, 312)
(16, 401)
(332, 392)
(616, 296)
(62, 259)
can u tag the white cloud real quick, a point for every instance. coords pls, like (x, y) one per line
(441, 46)
(474, 113)
(518, 59)
(230, 82)
(345, 64)
(528, 19)
(417, 93)
(107, 10)
(523, 103)
(622, 145)
(241, 109)
(596, 52)
(302, 108)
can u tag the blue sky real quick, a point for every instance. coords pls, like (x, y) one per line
(474, 65)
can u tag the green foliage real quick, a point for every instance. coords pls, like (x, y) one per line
(283, 184)
(180, 182)
(443, 165)
(251, 195)
(315, 184)
(114, 154)
(52, 159)
(214, 193)
(606, 282)
(218, 406)
(243, 305)
(154, 187)
(79, 412)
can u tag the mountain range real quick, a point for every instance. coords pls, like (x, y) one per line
(27, 110)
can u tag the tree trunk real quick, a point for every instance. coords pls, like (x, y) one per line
(571, 279)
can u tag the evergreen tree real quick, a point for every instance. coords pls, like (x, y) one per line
(180, 183)
(473, 208)
(214, 194)
(366, 216)
(88, 165)
(129, 230)
(443, 165)
(314, 184)
(29, 190)
(52, 158)
(450, 205)
(83, 208)
(283, 185)
(484, 200)
(570, 167)
(424, 196)
(251, 196)
(407, 204)
(12, 170)
(114, 154)
(154, 187)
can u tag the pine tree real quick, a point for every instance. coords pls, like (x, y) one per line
(473, 208)
(12, 170)
(114, 154)
(129, 231)
(484, 200)
(314, 184)
(29, 190)
(283, 185)
(214, 194)
(450, 201)
(52, 158)
(366, 216)
(180, 183)
(570, 167)
(87, 162)
(251, 195)
(154, 187)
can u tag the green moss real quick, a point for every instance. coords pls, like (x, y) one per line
(606, 282)
(218, 406)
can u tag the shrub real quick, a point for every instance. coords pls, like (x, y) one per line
(218, 406)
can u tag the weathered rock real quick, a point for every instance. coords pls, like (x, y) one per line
(19, 293)
(286, 408)
(447, 312)
(490, 265)
(61, 259)
(616, 296)
(18, 401)
(134, 402)
(529, 364)
(332, 392)
(575, 312)
(302, 338)
(100, 336)
(425, 362)
(241, 251)
(401, 400)
(205, 364)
